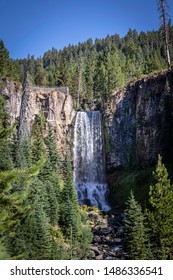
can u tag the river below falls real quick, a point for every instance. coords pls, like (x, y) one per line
(108, 237)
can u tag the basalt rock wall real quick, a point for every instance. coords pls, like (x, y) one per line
(140, 122)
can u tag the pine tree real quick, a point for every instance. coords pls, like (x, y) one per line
(21, 152)
(37, 142)
(15, 243)
(41, 238)
(4, 60)
(51, 177)
(100, 80)
(6, 162)
(14, 190)
(53, 155)
(7, 65)
(53, 203)
(70, 218)
(156, 65)
(161, 215)
(12, 198)
(43, 197)
(40, 73)
(3, 252)
(135, 230)
(90, 68)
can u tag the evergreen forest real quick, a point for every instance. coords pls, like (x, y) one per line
(92, 70)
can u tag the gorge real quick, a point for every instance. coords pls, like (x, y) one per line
(138, 124)
(129, 133)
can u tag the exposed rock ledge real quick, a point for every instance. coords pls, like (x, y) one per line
(55, 103)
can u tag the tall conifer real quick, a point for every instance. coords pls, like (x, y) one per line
(161, 214)
(136, 233)
(70, 218)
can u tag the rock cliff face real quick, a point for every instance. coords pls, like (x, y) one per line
(141, 122)
(12, 94)
(55, 103)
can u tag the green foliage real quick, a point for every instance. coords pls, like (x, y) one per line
(14, 189)
(14, 183)
(41, 242)
(140, 180)
(70, 218)
(106, 138)
(152, 231)
(85, 239)
(160, 214)
(3, 253)
(21, 152)
(40, 216)
(92, 70)
(53, 203)
(7, 65)
(52, 150)
(135, 230)
(40, 73)
(4, 60)
(15, 244)
(37, 142)
(3, 114)
(6, 162)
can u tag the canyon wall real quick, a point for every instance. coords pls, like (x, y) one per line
(140, 122)
(55, 103)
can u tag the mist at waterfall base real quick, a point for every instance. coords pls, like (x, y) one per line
(89, 162)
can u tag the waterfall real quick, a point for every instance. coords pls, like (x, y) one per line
(89, 163)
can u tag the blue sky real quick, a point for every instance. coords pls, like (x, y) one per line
(35, 26)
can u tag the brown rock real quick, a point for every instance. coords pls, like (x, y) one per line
(55, 103)
(99, 257)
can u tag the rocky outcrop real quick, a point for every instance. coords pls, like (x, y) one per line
(12, 93)
(55, 103)
(108, 236)
(141, 122)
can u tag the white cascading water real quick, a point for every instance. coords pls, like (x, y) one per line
(89, 163)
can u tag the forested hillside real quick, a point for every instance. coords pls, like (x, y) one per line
(90, 69)
(40, 216)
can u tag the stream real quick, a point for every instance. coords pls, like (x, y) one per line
(108, 237)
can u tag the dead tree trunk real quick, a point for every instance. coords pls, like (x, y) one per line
(163, 18)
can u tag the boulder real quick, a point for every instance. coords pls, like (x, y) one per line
(99, 257)
(95, 250)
